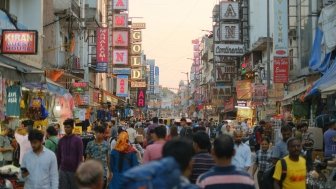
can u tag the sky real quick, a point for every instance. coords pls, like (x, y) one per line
(170, 27)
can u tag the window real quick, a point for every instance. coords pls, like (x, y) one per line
(4, 5)
(291, 62)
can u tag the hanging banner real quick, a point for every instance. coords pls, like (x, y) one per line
(102, 45)
(244, 89)
(280, 70)
(280, 40)
(19, 42)
(122, 86)
(141, 98)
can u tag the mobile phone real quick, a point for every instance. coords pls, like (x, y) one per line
(24, 170)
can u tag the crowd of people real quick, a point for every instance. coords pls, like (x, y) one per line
(153, 154)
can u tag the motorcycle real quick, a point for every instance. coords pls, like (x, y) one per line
(9, 177)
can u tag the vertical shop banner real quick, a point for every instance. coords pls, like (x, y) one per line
(280, 40)
(102, 45)
(157, 80)
(13, 101)
(141, 97)
(229, 105)
(151, 78)
(244, 90)
(280, 70)
(122, 85)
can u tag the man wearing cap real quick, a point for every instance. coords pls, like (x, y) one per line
(330, 139)
(21, 136)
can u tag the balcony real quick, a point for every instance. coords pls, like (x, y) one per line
(92, 16)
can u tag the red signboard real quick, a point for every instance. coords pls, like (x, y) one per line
(141, 97)
(19, 42)
(280, 70)
(102, 45)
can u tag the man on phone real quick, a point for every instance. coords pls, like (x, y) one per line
(39, 165)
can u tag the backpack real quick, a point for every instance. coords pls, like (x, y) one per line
(163, 174)
(267, 178)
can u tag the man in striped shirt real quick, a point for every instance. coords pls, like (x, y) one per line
(224, 174)
(203, 160)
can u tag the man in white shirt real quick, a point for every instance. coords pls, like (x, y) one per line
(21, 136)
(132, 133)
(242, 158)
(39, 165)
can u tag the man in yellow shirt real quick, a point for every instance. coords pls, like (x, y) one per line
(296, 168)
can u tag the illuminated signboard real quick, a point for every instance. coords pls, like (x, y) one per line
(19, 42)
(79, 87)
(122, 86)
(102, 45)
(120, 38)
(120, 56)
(141, 98)
(120, 20)
(120, 5)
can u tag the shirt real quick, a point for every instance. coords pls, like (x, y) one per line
(131, 134)
(98, 152)
(225, 177)
(263, 160)
(153, 151)
(295, 175)
(69, 153)
(242, 158)
(329, 143)
(42, 168)
(51, 143)
(24, 145)
(202, 162)
(5, 143)
(280, 150)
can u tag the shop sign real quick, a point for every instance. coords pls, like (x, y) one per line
(19, 42)
(229, 105)
(243, 89)
(120, 5)
(229, 10)
(259, 92)
(120, 20)
(244, 114)
(280, 41)
(141, 98)
(102, 45)
(138, 84)
(229, 49)
(280, 70)
(151, 77)
(136, 36)
(79, 87)
(136, 73)
(242, 103)
(122, 86)
(121, 71)
(120, 38)
(101, 67)
(225, 73)
(138, 26)
(217, 33)
(135, 61)
(82, 99)
(229, 32)
(96, 96)
(135, 49)
(222, 91)
(120, 56)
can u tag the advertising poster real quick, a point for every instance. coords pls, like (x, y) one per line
(244, 89)
(122, 86)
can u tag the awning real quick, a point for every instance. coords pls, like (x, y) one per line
(328, 91)
(16, 71)
(49, 86)
(327, 80)
(289, 97)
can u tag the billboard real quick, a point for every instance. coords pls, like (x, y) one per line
(120, 56)
(280, 37)
(120, 4)
(229, 49)
(122, 86)
(280, 70)
(229, 10)
(120, 38)
(102, 45)
(141, 98)
(229, 32)
(225, 72)
(120, 20)
(19, 42)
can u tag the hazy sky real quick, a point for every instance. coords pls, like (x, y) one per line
(171, 25)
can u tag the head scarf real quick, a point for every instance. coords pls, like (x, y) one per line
(123, 144)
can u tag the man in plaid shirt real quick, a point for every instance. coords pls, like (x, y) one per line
(263, 160)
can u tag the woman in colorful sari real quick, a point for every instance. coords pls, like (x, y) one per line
(123, 157)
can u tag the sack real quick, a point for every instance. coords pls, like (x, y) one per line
(267, 178)
(163, 174)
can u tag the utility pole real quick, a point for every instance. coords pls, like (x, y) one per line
(188, 87)
(268, 49)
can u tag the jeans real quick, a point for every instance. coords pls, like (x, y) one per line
(259, 178)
